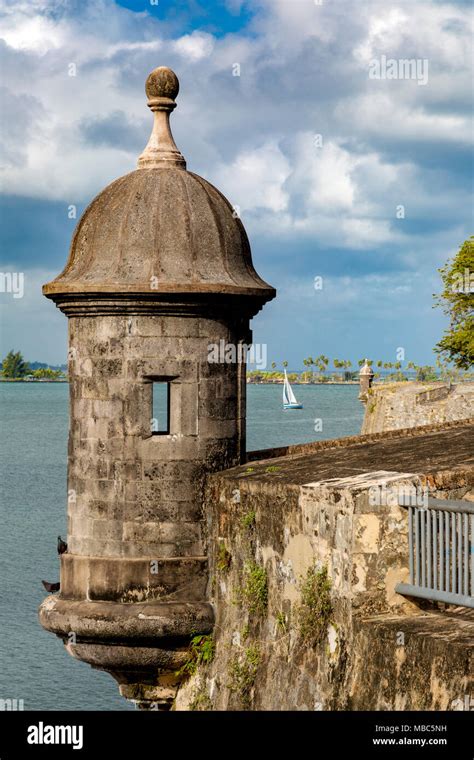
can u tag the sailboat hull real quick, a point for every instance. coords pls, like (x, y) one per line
(289, 400)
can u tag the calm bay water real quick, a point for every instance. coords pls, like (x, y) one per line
(33, 446)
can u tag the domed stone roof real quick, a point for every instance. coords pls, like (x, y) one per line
(159, 229)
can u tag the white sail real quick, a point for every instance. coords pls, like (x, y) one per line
(288, 395)
(285, 391)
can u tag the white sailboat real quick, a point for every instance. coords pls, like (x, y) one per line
(289, 400)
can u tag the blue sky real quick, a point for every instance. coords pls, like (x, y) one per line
(312, 209)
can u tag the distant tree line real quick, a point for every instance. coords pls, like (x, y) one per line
(14, 367)
(455, 349)
(326, 370)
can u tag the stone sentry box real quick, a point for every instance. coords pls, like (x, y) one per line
(159, 269)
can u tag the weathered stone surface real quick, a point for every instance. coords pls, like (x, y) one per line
(159, 270)
(125, 623)
(270, 522)
(133, 580)
(402, 405)
(427, 450)
(421, 662)
(160, 230)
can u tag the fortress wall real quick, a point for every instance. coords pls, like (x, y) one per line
(374, 650)
(404, 405)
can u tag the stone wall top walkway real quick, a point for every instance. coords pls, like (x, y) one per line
(424, 450)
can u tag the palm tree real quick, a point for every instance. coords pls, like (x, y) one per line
(14, 365)
(308, 363)
(347, 364)
(321, 362)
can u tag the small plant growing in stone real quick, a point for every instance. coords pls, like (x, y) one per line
(224, 558)
(200, 652)
(272, 468)
(281, 622)
(315, 610)
(255, 590)
(242, 674)
(201, 702)
(248, 520)
(249, 470)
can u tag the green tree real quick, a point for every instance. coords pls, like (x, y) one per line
(14, 365)
(319, 362)
(347, 364)
(425, 373)
(46, 373)
(309, 363)
(457, 301)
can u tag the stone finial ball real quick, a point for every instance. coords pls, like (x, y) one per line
(162, 83)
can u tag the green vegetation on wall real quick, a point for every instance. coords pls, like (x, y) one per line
(242, 674)
(201, 652)
(315, 609)
(254, 593)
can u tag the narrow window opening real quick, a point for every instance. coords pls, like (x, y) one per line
(160, 417)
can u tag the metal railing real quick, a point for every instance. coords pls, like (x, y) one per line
(441, 551)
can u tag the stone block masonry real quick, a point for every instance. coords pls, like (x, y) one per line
(159, 269)
(144, 489)
(303, 570)
(401, 405)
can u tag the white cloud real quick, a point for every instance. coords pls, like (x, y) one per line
(259, 149)
(324, 175)
(36, 34)
(382, 114)
(195, 46)
(255, 179)
(384, 32)
(438, 31)
(303, 70)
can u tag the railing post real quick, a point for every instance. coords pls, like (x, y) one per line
(441, 552)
